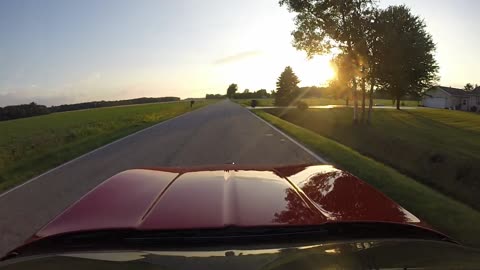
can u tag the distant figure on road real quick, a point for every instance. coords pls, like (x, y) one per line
(191, 103)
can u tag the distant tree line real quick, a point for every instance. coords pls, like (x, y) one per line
(246, 94)
(215, 96)
(22, 111)
(289, 93)
(33, 109)
(262, 93)
(295, 93)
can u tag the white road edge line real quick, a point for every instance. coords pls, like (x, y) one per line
(95, 150)
(322, 160)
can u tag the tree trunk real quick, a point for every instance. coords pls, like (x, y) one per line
(398, 103)
(355, 101)
(370, 106)
(354, 84)
(364, 96)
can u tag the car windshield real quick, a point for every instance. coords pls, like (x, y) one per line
(161, 119)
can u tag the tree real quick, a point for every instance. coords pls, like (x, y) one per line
(469, 87)
(232, 89)
(371, 74)
(370, 57)
(287, 84)
(262, 93)
(322, 25)
(406, 52)
(342, 84)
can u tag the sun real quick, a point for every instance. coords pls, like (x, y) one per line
(262, 71)
(315, 72)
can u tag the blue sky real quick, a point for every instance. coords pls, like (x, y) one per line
(64, 51)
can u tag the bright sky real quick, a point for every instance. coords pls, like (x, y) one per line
(65, 51)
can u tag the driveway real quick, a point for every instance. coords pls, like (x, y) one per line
(221, 133)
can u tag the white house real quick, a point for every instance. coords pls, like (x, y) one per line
(452, 98)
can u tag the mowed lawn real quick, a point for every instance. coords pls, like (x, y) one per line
(325, 101)
(440, 148)
(31, 146)
(450, 216)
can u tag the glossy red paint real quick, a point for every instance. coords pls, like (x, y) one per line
(229, 195)
(120, 202)
(342, 197)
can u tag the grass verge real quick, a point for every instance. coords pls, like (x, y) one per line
(439, 148)
(31, 146)
(458, 220)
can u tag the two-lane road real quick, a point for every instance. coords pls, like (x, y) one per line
(218, 134)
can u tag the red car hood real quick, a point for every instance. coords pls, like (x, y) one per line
(213, 198)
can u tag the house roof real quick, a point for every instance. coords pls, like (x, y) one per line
(454, 91)
(457, 91)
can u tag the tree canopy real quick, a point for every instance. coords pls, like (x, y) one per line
(388, 49)
(407, 64)
(232, 89)
(469, 87)
(342, 84)
(322, 25)
(287, 85)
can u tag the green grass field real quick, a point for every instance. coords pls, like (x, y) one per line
(324, 102)
(450, 216)
(33, 145)
(437, 147)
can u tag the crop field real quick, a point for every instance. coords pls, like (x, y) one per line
(31, 146)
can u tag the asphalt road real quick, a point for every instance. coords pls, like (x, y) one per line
(221, 133)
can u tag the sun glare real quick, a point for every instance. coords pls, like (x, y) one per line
(263, 70)
(315, 72)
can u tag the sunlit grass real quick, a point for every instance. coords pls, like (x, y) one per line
(445, 214)
(429, 145)
(33, 145)
(458, 119)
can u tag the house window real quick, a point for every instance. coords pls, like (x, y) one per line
(464, 102)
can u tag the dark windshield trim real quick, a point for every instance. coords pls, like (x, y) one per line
(231, 236)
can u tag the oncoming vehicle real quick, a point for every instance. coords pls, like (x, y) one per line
(235, 217)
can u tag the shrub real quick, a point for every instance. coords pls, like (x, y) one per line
(254, 103)
(302, 105)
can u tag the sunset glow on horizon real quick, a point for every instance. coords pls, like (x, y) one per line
(74, 51)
